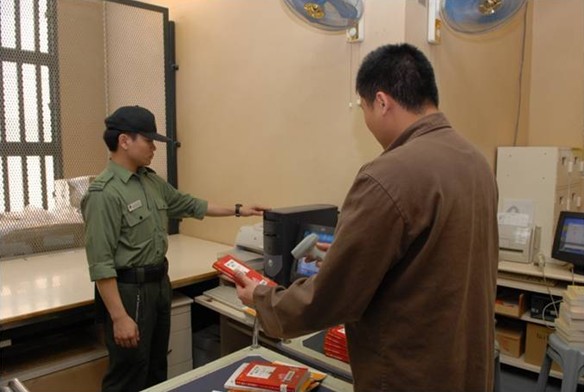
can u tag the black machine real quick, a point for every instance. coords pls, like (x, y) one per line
(281, 234)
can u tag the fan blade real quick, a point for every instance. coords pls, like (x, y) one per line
(346, 10)
(478, 16)
(332, 15)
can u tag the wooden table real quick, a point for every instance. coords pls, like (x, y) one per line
(39, 285)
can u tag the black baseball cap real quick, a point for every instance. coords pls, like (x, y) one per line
(135, 119)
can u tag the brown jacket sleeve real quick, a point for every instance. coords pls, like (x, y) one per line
(355, 265)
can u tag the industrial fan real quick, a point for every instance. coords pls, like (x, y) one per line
(478, 16)
(332, 15)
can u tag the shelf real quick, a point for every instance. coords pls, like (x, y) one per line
(225, 310)
(51, 354)
(529, 278)
(526, 317)
(520, 363)
(532, 287)
(553, 271)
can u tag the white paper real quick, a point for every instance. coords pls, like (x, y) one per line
(513, 219)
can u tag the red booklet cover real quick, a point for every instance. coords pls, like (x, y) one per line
(273, 376)
(229, 265)
(336, 355)
(335, 345)
(337, 332)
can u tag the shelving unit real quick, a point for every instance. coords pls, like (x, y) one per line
(521, 277)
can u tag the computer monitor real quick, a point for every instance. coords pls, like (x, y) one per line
(302, 268)
(569, 239)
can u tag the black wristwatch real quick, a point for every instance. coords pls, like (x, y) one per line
(237, 207)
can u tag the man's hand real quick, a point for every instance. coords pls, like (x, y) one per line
(245, 288)
(322, 246)
(252, 210)
(126, 332)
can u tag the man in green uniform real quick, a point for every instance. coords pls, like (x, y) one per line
(126, 212)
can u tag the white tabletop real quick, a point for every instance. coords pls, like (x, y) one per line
(41, 284)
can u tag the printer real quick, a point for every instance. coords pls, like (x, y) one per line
(249, 246)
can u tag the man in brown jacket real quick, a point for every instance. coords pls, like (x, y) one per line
(412, 270)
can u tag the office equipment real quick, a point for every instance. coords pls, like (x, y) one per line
(518, 243)
(549, 178)
(544, 306)
(307, 247)
(249, 246)
(251, 238)
(281, 231)
(311, 233)
(569, 239)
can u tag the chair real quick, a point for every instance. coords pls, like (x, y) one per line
(570, 359)
(497, 386)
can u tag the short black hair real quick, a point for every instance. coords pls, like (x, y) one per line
(401, 71)
(111, 138)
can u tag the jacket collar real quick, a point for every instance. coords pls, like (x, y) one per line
(122, 173)
(430, 123)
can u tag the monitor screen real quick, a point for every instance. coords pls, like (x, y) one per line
(569, 238)
(301, 267)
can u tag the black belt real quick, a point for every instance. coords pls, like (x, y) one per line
(150, 273)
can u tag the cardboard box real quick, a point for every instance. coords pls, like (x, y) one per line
(536, 343)
(510, 302)
(510, 338)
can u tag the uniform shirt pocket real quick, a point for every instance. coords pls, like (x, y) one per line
(138, 226)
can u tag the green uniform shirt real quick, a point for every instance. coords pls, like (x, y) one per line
(126, 219)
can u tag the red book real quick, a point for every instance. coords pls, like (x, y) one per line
(335, 346)
(337, 332)
(273, 376)
(335, 355)
(229, 265)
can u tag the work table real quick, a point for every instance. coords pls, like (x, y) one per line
(39, 285)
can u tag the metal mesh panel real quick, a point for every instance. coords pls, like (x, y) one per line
(66, 64)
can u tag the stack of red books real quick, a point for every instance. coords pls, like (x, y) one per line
(335, 343)
(262, 376)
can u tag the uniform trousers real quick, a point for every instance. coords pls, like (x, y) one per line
(134, 369)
